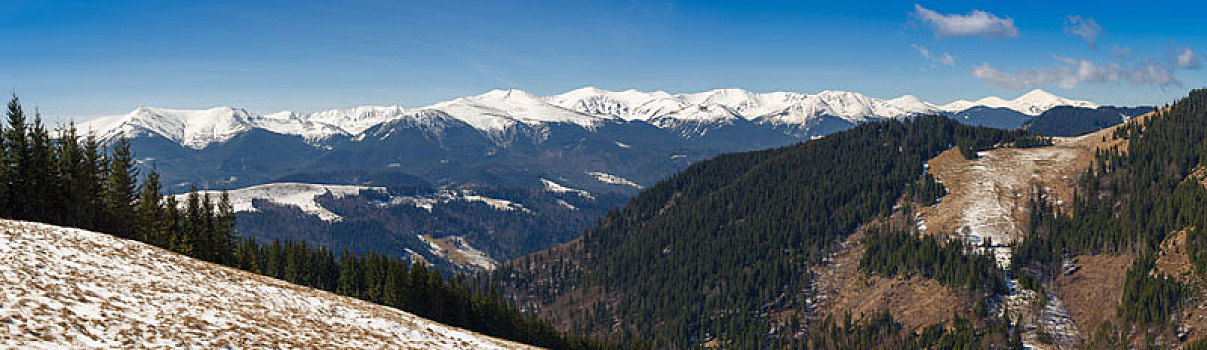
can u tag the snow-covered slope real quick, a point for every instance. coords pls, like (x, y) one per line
(356, 120)
(496, 111)
(190, 128)
(69, 288)
(299, 195)
(305, 196)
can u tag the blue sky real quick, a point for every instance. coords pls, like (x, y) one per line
(75, 59)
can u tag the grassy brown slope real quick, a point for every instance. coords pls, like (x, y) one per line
(915, 301)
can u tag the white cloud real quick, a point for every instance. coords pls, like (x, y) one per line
(945, 59)
(1086, 28)
(976, 22)
(1186, 58)
(997, 77)
(1070, 72)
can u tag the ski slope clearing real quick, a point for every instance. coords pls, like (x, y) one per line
(70, 288)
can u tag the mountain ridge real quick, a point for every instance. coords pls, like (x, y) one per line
(497, 111)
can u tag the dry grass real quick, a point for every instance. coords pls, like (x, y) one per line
(915, 302)
(1092, 294)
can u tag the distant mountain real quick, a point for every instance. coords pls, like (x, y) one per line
(497, 111)
(486, 137)
(504, 142)
(1073, 121)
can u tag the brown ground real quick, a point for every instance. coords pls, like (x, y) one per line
(1172, 259)
(1093, 292)
(915, 302)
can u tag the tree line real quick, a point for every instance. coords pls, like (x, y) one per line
(73, 180)
(897, 253)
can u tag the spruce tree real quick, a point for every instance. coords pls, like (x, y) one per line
(225, 229)
(246, 257)
(90, 179)
(349, 283)
(151, 217)
(17, 159)
(207, 242)
(194, 227)
(121, 190)
(40, 198)
(5, 173)
(70, 158)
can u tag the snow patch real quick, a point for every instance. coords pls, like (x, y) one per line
(456, 249)
(559, 188)
(299, 195)
(613, 179)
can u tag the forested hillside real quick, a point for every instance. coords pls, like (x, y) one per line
(719, 252)
(1073, 121)
(1128, 203)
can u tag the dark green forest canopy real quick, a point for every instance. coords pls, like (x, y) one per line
(711, 252)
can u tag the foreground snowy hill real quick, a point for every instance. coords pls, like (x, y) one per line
(70, 288)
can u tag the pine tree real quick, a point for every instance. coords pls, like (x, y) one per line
(5, 173)
(349, 283)
(151, 217)
(246, 257)
(180, 239)
(40, 200)
(225, 228)
(90, 179)
(194, 227)
(17, 159)
(69, 160)
(207, 242)
(121, 190)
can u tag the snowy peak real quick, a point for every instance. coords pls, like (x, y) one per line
(497, 110)
(356, 120)
(595, 101)
(1032, 103)
(913, 103)
(708, 113)
(1037, 101)
(190, 128)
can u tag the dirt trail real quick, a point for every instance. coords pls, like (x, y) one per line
(988, 202)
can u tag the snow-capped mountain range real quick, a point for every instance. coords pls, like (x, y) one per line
(524, 165)
(497, 111)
